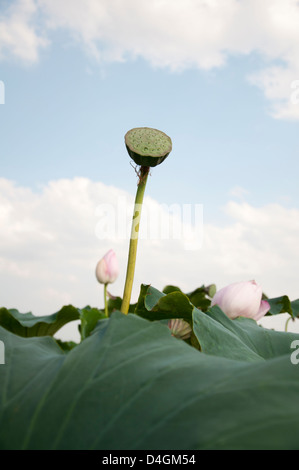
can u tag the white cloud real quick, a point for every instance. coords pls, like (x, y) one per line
(174, 34)
(18, 35)
(192, 33)
(238, 192)
(281, 88)
(49, 247)
(177, 34)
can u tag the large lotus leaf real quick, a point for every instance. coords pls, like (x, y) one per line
(27, 324)
(241, 339)
(284, 305)
(131, 385)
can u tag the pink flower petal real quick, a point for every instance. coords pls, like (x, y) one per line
(264, 308)
(107, 269)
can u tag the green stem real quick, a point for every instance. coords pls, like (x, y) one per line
(134, 239)
(105, 300)
(286, 325)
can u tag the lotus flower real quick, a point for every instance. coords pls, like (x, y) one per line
(107, 269)
(242, 299)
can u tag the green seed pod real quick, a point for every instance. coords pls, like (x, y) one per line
(147, 147)
(211, 290)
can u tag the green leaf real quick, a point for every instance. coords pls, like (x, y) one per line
(154, 305)
(140, 307)
(169, 289)
(114, 303)
(295, 308)
(66, 345)
(199, 299)
(26, 324)
(89, 318)
(280, 305)
(242, 339)
(152, 298)
(131, 385)
(284, 305)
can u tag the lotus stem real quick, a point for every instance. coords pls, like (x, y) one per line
(105, 300)
(286, 324)
(143, 174)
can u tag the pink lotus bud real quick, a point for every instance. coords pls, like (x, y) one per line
(242, 299)
(107, 268)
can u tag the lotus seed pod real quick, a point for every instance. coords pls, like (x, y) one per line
(211, 290)
(147, 147)
(179, 328)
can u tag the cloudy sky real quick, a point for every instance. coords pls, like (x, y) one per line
(220, 77)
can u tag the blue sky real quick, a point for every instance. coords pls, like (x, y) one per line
(66, 116)
(216, 77)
